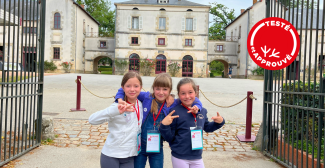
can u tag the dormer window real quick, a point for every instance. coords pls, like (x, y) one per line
(163, 1)
(135, 8)
(189, 10)
(162, 9)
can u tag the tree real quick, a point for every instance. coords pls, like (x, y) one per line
(222, 16)
(101, 11)
(217, 66)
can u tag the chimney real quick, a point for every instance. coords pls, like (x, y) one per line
(83, 6)
(242, 10)
(254, 1)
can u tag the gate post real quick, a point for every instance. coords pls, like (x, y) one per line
(78, 96)
(249, 108)
(198, 91)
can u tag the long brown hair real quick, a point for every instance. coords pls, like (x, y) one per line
(128, 76)
(161, 80)
(186, 81)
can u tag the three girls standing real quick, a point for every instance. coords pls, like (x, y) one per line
(136, 128)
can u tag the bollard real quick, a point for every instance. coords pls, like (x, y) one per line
(248, 137)
(198, 91)
(78, 96)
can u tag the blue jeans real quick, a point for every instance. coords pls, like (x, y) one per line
(156, 160)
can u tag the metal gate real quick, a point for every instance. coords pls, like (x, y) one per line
(22, 24)
(293, 118)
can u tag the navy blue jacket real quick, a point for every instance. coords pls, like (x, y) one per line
(178, 134)
(146, 99)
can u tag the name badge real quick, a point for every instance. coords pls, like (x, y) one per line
(139, 141)
(153, 141)
(196, 138)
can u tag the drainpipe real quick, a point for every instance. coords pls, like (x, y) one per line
(206, 69)
(113, 64)
(75, 48)
(246, 75)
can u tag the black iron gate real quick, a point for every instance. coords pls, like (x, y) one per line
(22, 26)
(293, 118)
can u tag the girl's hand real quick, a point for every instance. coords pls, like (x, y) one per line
(193, 109)
(217, 119)
(169, 100)
(123, 107)
(169, 118)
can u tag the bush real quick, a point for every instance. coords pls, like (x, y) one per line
(258, 71)
(49, 66)
(296, 120)
(174, 68)
(211, 74)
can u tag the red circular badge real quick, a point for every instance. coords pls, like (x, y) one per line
(273, 43)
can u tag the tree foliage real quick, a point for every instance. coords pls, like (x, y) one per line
(222, 16)
(101, 11)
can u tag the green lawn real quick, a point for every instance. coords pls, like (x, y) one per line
(107, 72)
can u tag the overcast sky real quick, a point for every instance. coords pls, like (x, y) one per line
(231, 4)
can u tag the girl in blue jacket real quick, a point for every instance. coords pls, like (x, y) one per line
(183, 131)
(154, 111)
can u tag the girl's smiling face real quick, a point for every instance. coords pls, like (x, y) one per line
(132, 88)
(186, 94)
(161, 93)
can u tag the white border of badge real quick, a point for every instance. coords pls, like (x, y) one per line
(158, 143)
(201, 137)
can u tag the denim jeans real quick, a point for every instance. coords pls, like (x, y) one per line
(156, 160)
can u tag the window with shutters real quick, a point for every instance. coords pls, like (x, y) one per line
(135, 22)
(239, 33)
(189, 24)
(162, 23)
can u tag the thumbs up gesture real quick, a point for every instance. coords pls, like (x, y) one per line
(217, 119)
(169, 118)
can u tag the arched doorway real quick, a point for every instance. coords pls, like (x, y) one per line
(102, 63)
(134, 62)
(187, 66)
(160, 64)
(217, 69)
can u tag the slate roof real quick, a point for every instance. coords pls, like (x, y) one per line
(155, 2)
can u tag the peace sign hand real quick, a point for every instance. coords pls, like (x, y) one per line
(217, 119)
(193, 109)
(169, 118)
(123, 107)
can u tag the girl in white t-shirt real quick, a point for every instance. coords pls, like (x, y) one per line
(124, 123)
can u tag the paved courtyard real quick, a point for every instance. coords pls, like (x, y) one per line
(60, 95)
(78, 144)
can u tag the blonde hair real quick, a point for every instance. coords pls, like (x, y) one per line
(161, 80)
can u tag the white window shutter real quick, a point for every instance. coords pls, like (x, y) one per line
(140, 22)
(129, 22)
(183, 23)
(194, 24)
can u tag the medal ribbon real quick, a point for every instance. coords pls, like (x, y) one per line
(194, 115)
(154, 119)
(137, 111)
